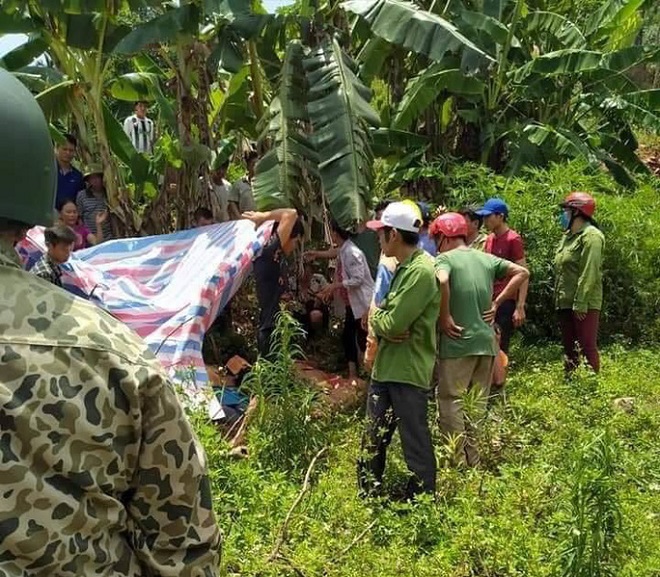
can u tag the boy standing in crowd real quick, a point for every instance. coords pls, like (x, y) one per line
(506, 243)
(467, 345)
(405, 325)
(140, 129)
(59, 244)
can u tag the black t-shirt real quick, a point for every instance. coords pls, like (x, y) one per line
(269, 273)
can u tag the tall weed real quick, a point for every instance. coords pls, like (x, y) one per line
(283, 435)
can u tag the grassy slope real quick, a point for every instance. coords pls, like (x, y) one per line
(512, 518)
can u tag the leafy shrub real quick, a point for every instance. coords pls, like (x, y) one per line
(283, 435)
(629, 220)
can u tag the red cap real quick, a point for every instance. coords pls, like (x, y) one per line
(451, 224)
(581, 201)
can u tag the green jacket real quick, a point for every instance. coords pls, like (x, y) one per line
(413, 305)
(579, 270)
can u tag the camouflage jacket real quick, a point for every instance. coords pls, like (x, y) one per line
(100, 472)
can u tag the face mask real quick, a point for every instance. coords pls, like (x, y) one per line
(565, 220)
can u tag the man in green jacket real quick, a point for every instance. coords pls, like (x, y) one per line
(405, 325)
(467, 345)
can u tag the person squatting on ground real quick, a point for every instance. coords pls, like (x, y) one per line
(467, 345)
(579, 280)
(60, 241)
(100, 470)
(270, 268)
(506, 243)
(405, 325)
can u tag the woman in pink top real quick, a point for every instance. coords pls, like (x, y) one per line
(84, 238)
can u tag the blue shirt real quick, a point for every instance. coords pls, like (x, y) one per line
(69, 184)
(383, 281)
(426, 243)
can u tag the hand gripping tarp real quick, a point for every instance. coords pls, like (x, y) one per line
(168, 288)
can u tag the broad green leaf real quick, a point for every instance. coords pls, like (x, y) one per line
(569, 61)
(235, 112)
(640, 108)
(161, 30)
(446, 114)
(564, 142)
(372, 57)
(565, 32)
(404, 24)
(612, 15)
(283, 174)
(388, 141)
(494, 28)
(423, 89)
(25, 54)
(624, 154)
(16, 24)
(136, 86)
(56, 100)
(340, 114)
(81, 31)
(228, 52)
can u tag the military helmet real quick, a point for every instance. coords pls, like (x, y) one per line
(28, 174)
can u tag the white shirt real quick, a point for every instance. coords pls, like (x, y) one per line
(356, 278)
(141, 133)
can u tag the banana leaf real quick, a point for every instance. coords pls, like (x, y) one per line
(283, 174)
(405, 24)
(340, 114)
(423, 89)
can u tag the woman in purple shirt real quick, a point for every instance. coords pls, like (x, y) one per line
(84, 238)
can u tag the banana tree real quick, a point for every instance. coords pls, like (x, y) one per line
(531, 85)
(320, 127)
(208, 50)
(78, 39)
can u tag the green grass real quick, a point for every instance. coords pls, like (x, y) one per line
(561, 466)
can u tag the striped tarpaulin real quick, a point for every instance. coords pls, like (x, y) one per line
(168, 288)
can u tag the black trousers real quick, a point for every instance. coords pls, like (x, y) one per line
(504, 318)
(353, 336)
(391, 406)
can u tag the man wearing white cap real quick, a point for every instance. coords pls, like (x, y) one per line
(405, 325)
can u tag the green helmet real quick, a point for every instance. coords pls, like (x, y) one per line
(28, 174)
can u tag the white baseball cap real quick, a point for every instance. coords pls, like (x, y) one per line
(403, 215)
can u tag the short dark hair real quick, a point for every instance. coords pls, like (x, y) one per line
(343, 234)
(71, 139)
(382, 205)
(203, 212)
(408, 237)
(140, 102)
(471, 212)
(59, 234)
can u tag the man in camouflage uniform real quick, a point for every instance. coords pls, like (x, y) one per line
(100, 472)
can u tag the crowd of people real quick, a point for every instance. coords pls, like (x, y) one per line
(101, 472)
